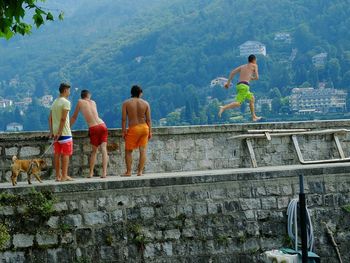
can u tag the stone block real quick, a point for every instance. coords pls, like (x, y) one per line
(117, 216)
(95, 218)
(200, 209)
(167, 247)
(7, 210)
(282, 202)
(67, 238)
(172, 234)
(46, 239)
(11, 151)
(60, 207)
(149, 251)
(23, 240)
(53, 221)
(83, 236)
(12, 257)
(268, 203)
(29, 151)
(147, 212)
(250, 204)
(87, 205)
(72, 220)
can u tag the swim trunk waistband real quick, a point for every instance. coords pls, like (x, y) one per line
(64, 139)
(243, 82)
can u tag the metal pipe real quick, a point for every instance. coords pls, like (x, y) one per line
(302, 211)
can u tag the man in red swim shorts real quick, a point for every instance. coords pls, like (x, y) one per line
(60, 130)
(97, 130)
(138, 114)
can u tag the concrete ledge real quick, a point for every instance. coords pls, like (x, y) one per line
(195, 129)
(180, 178)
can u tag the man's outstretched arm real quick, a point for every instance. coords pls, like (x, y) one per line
(124, 115)
(149, 121)
(75, 114)
(232, 74)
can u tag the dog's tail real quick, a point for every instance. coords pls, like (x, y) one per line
(14, 158)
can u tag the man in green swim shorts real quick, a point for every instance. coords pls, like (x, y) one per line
(247, 73)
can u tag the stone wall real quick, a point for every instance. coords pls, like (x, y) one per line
(209, 216)
(182, 148)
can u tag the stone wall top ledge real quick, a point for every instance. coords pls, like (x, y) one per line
(239, 127)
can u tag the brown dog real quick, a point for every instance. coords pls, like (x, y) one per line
(31, 167)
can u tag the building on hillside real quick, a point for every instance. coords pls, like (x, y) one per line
(324, 100)
(283, 37)
(46, 100)
(261, 102)
(162, 122)
(5, 103)
(252, 47)
(14, 127)
(293, 54)
(319, 60)
(219, 81)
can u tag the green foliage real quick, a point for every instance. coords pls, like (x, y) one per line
(137, 236)
(223, 240)
(35, 203)
(346, 208)
(4, 236)
(14, 12)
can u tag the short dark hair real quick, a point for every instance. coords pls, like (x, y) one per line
(251, 58)
(136, 91)
(63, 87)
(84, 93)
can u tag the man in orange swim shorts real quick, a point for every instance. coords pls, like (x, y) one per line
(138, 114)
(97, 130)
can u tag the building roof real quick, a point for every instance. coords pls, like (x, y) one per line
(251, 43)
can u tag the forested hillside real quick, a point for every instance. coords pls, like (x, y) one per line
(174, 49)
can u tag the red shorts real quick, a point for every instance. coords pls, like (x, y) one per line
(65, 148)
(98, 134)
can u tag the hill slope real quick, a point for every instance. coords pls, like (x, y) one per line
(174, 49)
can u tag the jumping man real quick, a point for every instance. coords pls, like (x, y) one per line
(247, 73)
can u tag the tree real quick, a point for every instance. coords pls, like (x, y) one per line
(12, 16)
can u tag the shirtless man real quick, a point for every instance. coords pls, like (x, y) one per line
(97, 130)
(247, 73)
(138, 113)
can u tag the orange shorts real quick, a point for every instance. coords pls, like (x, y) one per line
(137, 136)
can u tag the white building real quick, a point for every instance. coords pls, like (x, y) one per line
(14, 127)
(319, 60)
(261, 102)
(46, 100)
(252, 47)
(5, 103)
(219, 81)
(283, 37)
(322, 100)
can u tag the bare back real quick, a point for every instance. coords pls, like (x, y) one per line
(248, 72)
(89, 110)
(137, 111)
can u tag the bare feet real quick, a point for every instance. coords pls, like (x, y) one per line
(256, 118)
(67, 178)
(103, 176)
(58, 179)
(127, 174)
(91, 175)
(221, 110)
(139, 174)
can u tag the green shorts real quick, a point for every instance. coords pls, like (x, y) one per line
(243, 93)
